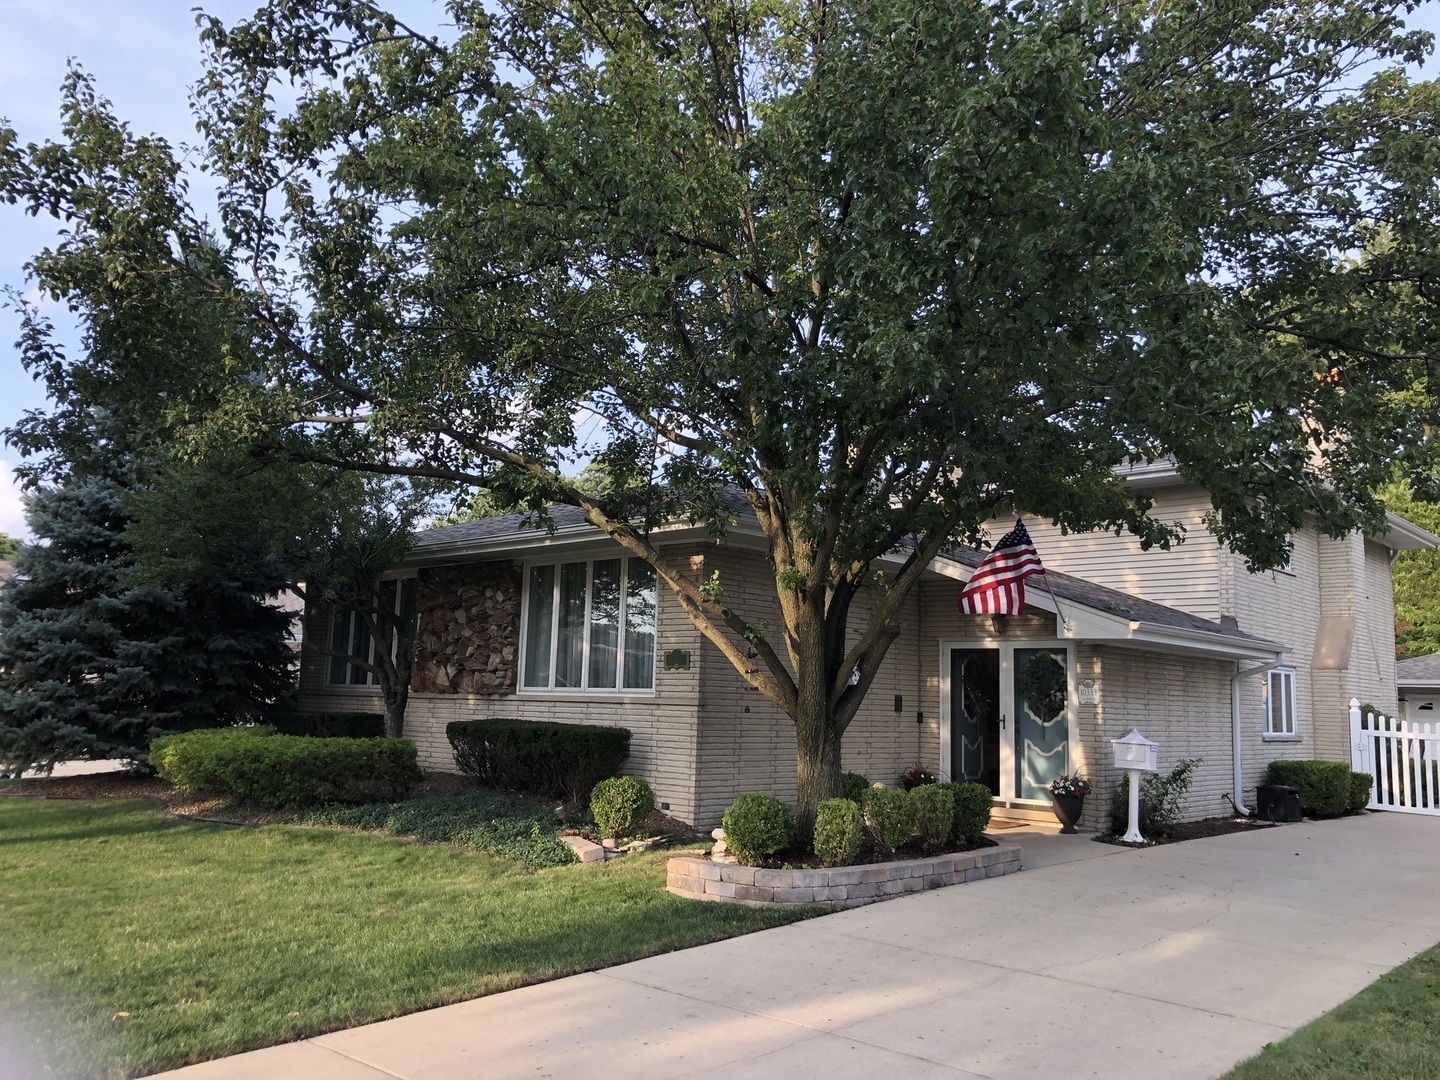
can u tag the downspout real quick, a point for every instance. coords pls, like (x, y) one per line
(1235, 739)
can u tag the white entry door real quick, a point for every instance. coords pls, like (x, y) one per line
(1007, 712)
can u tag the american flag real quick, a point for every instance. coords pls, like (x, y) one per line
(998, 585)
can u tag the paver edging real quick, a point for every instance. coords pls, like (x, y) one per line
(840, 886)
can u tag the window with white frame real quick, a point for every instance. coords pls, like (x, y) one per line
(589, 626)
(1280, 702)
(350, 634)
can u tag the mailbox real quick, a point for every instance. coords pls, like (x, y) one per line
(1135, 751)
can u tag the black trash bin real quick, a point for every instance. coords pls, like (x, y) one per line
(1278, 802)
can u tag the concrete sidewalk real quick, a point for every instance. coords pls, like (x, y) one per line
(1096, 961)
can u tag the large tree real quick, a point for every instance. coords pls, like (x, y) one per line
(1416, 577)
(330, 538)
(93, 666)
(883, 269)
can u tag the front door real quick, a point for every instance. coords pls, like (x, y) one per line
(1008, 717)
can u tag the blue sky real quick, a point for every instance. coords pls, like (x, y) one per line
(144, 56)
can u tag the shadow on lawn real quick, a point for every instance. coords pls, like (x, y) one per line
(91, 829)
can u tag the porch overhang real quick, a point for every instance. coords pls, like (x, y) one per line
(1076, 620)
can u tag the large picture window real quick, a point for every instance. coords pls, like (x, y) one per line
(350, 634)
(590, 626)
(1280, 702)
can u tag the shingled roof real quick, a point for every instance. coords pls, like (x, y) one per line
(1121, 604)
(523, 529)
(1420, 671)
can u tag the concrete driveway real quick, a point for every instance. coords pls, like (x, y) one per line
(1096, 961)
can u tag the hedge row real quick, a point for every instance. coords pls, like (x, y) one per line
(564, 761)
(330, 725)
(1327, 788)
(257, 765)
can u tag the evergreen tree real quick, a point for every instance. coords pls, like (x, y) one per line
(93, 667)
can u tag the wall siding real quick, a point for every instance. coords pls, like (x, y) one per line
(1283, 606)
(1185, 577)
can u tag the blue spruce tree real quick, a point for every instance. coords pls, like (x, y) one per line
(94, 668)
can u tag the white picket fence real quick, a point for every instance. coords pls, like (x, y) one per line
(1404, 759)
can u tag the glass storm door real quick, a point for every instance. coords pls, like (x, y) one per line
(1040, 707)
(975, 730)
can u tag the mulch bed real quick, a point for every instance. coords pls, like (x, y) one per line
(114, 785)
(1196, 830)
(804, 859)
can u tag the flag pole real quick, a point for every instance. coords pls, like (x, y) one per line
(1064, 619)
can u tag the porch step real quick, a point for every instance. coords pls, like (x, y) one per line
(1020, 815)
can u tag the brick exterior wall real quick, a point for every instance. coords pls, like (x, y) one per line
(662, 723)
(704, 738)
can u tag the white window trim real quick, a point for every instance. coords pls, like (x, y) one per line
(1271, 734)
(618, 692)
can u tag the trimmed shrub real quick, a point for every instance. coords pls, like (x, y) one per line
(853, 787)
(1360, 784)
(891, 816)
(259, 766)
(935, 813)
(564, 761)
(1162, 802)
(973, 803)
(621, 803)
(336, 725)
(1324, 785)
(839, 832)
(757, 826)
(197, 761)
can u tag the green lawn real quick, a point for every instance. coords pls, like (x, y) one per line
(1389, 1031)
(216, 939)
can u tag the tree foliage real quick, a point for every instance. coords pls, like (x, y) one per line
(882, 269)
(93, 667)
(1416, 576)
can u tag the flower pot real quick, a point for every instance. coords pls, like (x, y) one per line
(1068, 809)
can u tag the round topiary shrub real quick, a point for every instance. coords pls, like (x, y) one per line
(973, 803)
(891, 816)
(839, 832)
(853, 786)
(621, 803)
(936, 813)
(757, 826)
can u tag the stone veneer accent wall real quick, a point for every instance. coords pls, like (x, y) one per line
(468, 637)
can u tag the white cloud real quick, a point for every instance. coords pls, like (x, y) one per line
(12, 510)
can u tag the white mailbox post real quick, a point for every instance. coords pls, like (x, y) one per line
(1135, 754)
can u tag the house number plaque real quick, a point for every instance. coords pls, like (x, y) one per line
(1089, 692)
(677, 660)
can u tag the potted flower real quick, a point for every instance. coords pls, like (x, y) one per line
(1068, 794)
(917, 776)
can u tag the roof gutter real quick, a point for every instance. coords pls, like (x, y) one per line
(1177, 636)
(1235, 739)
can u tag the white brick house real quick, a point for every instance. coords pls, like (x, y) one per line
(519, 622)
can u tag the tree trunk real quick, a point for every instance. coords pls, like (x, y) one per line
(817, 765)
(395, 700)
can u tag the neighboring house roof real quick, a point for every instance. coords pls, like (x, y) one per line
(1421, 671)
(1103, 614)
